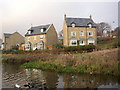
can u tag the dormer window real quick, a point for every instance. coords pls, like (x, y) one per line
(41, 30)
(29, 32)
(90, 25)
(73, 24)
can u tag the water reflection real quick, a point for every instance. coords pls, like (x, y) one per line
(13, 74)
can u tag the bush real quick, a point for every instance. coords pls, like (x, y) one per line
(15, 47)
(87, 48)
(58, 45)
(100, 40)
(13, 51)
(7, 51)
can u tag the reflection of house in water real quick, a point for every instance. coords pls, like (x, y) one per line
(40, 37)
(34, 75)
(55, 80)
(51, 79)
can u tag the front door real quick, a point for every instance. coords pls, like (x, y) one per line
(41, 45)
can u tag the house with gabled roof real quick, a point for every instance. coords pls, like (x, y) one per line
(79, 31)
(0, 44)
(40, 37)
(11, 40)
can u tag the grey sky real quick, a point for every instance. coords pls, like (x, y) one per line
(18, 15)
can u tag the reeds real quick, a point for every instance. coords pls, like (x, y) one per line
(98, 62)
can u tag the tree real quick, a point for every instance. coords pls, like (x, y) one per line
(102, 28)
(116, 31)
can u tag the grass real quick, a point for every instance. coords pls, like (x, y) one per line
(71, 69)
(99, 62)
(49, 67)
(109, 44)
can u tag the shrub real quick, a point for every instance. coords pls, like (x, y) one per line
(13, 51)
(87, 48)
(7, 51)
(58, 45)
(15, 47)
(100, 40)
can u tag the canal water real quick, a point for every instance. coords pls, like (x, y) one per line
(14, 74)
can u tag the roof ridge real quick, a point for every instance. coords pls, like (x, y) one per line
(77, 18)
(42, 25)
(7, 33)
(79, 21)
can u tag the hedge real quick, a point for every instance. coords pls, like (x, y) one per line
(87, 48)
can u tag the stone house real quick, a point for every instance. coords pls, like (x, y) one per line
(0, 44)
(40, 37)
(79, 31)
(10, 40)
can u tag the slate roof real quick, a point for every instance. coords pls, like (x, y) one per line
(7, 35)
(36, 30)
(80, 22)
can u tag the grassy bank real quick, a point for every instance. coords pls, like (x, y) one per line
(93, 69)
(99, 62)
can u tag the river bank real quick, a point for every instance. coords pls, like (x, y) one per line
(14, 73)
(98, 62)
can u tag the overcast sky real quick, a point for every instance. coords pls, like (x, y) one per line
(18, 15)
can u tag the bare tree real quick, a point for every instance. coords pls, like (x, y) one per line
(103, 27)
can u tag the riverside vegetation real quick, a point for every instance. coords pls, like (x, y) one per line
(77, 60)
(98, 62)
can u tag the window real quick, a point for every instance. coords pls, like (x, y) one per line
(73, 24)
(73, 42)
(81, 33)
(41, 30)
(90, 25)
(35, 45)
(28, 38)
(73, 33)
(27, 46)
(41, 45)
(41, 37)
(91, 41)
(29, 32)
(82, 42)
(34, 37)
(90, 33)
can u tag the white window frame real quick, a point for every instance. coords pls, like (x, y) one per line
(73, 41)
(28, 38)
(29, 32)
(34, 37)
(35, 46)
(91, 41)
(41, 37)
(90, 25)
(73, 33)
(81, 43)
(27, 46)
(73, 24)
(81, 33)
(91, 33)
(41, 30)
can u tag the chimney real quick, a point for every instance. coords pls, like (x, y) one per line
(64, 16)
(90, 16)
